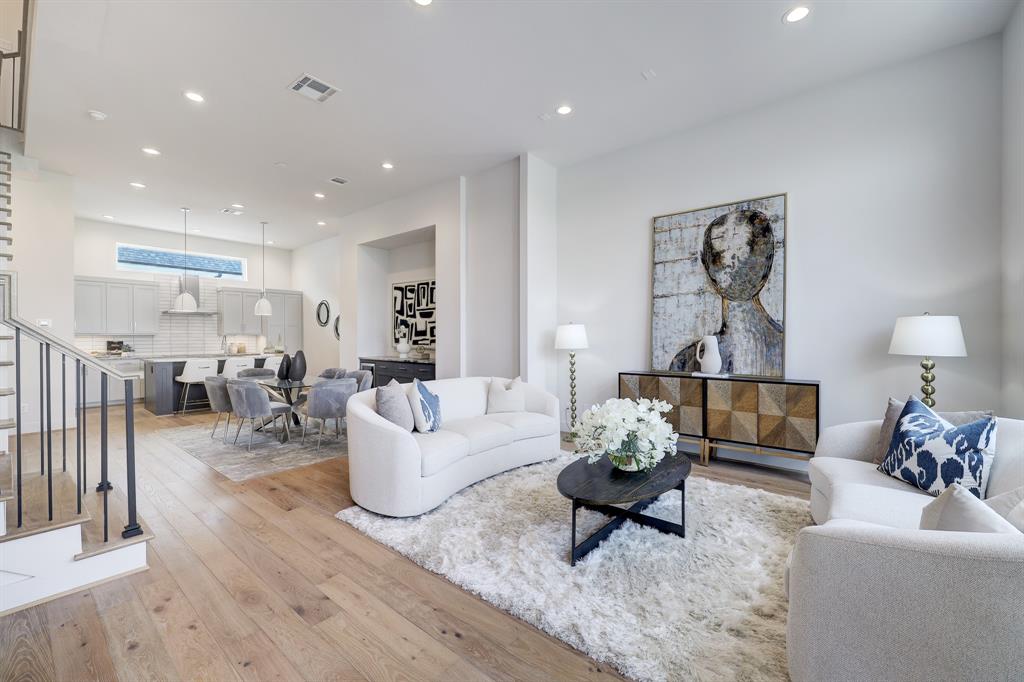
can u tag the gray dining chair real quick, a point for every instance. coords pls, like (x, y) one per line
(250, 401)
(327, 400)
(220, 402)
(256, 373)
(332, 373)
(363, 377)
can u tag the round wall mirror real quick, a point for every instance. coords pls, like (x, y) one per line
(337, 327)
(323, 313)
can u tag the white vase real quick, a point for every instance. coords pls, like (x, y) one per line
(708, 356)
(403, 348)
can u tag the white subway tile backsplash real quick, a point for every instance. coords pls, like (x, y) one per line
(177, 334)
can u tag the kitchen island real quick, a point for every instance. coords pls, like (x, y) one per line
(163, 393)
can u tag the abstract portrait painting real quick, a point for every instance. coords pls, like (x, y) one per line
(721, 271)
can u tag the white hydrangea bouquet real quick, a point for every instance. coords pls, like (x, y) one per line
(631, 433)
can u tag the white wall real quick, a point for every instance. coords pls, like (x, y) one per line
(1013, 215)
(96, 243)
(492, 268)
(316, 273)
(894, 209)
(44, 227)
(440, 206)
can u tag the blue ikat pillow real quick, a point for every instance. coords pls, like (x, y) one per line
(929, 453)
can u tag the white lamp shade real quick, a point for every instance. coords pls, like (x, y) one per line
(263, 307)
(184, 303)
(928, 336)
(571, 337)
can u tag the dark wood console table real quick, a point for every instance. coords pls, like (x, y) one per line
(403, 370)
(764, 416)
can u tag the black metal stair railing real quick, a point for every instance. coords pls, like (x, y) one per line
(84, 363)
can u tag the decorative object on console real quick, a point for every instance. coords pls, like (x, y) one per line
(708, 356)
(323, 313)
(413, 309)
(297, 371)
(892, 414)
(927, 336)
(263, 307)
(403, 346)
(184, 302)
(571, 337)
(734, 412)
(732, 285)
(426, 408)
(284, 369)
(630, 433)
(931, 454)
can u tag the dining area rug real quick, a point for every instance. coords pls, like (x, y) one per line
(269, 455)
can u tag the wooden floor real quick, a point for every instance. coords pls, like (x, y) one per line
(258, 581)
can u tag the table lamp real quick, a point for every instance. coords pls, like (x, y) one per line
(927, 336)
(571, 337)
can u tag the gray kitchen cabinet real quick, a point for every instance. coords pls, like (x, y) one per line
(118, 308)
(145, 309)
(229, 305)
(276, 322)
(292, 322)
(90, 307)
(251, 324)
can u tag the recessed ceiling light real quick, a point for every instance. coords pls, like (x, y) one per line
(564, 110)
(237, 205)
(236, 212)
(194, 96)
(108, 217)
(320, 223)
(137, 185)
(318, 195)
(270, 241)
(423, 3)
(387, 165)
(151, 151)
(195, 229)
(280, 164)
(97, 115)
(796, 14)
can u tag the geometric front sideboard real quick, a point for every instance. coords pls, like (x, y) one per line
(766, 416)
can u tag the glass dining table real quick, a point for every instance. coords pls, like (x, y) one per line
(286, 389)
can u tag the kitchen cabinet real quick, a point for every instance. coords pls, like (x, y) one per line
(237, 309)
(90, 307)
(251, 324)
(116, 307)
(276, 323)
(229, 305)
(115, 387)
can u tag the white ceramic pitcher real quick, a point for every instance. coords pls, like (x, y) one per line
(708, 356)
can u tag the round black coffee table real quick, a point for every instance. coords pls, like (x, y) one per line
(600, 485)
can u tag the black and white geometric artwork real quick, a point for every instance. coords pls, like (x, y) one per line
(413, 308)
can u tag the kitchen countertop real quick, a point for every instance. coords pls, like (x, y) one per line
(202, 356)
(395, 358)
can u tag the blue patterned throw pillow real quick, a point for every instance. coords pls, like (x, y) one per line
(929, 453)
(426, 408)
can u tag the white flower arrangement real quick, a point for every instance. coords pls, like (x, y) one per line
(631, 433)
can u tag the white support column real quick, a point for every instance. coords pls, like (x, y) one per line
(538, 274)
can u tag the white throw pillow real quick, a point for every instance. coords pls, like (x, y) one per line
(957, 509)
(506, 396)
(426, 407)
(1010, 505)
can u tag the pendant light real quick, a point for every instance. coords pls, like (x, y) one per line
(263, 307)
(184, 302)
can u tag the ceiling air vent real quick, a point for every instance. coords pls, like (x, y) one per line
(313, 88)
(339, 181)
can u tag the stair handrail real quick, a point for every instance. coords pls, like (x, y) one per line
(9, 284)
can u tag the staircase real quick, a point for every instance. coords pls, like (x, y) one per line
(63, 524)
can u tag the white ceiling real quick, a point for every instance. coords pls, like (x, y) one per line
(440, 91)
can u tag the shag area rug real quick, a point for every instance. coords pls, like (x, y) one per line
(711, 606)
(268, 456)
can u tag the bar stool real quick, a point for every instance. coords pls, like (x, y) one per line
(195, 372)
(232, 365)
(272, 362)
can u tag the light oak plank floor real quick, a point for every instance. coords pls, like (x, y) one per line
(257, 581)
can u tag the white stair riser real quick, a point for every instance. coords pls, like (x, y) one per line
(39, 566)
(3, 515)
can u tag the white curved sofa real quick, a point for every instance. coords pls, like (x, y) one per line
(873, 597)
(398, 473)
